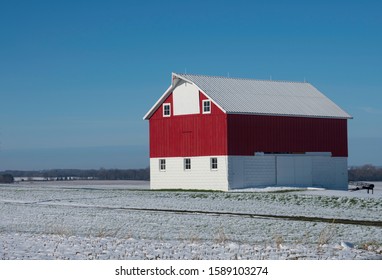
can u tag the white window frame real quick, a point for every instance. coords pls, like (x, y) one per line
(169, 109)
(214, 166)
(209, 102)
(162, 164)
(187, 165)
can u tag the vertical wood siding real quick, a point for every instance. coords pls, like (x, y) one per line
(233, 134)
(248, 134)
(188, 135)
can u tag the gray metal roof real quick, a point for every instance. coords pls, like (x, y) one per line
(261, 97)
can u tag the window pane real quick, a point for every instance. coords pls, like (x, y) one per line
(166, 110)
(214, 163)
(162, 164)
(187, 163)
(206, 106)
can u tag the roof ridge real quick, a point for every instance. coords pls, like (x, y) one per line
(240, 78)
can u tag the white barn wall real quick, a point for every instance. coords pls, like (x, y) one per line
(251, 171)
(294, 170)
(259, 170)
(342, 180)
(303, 171)
(330, 172)
(323, 171)
(287, 170)
(237, 172)
(186, 99)
(199, 177)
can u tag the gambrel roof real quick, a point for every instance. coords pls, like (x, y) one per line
(259, 97)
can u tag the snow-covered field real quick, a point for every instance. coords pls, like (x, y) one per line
(124, 220)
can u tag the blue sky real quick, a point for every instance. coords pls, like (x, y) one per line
(76, 77)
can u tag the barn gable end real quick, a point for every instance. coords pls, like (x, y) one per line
(186, 99)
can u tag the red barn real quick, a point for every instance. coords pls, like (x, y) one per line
(224, 133)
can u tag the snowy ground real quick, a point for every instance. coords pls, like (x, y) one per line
(124, 220)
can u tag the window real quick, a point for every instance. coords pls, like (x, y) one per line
(187, 164)
(166, 109)
(162, 165)
(214, 163)
(206, 106)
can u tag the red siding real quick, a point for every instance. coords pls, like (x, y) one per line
(159, 112)
(221, 134)
(250, 133)
(188, 135)
(203, 97)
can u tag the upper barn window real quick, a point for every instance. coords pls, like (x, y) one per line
(206, 106)
(166, 109)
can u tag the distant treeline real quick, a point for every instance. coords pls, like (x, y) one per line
(359, 173)
(6, 178)
(366, 172)
(98, 174)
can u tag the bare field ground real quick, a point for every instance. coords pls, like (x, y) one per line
(125, 220)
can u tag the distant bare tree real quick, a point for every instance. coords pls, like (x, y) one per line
(6, 178)
(366, 172)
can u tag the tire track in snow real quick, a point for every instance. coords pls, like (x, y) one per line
(260, 216)
(216, 213)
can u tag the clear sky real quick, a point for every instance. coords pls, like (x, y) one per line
(76, 77)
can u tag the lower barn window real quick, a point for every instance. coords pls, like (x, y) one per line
(214, 163)
(187, 163)
(162, 165)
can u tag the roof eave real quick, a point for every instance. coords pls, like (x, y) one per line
(158, 103)
(289, 115)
